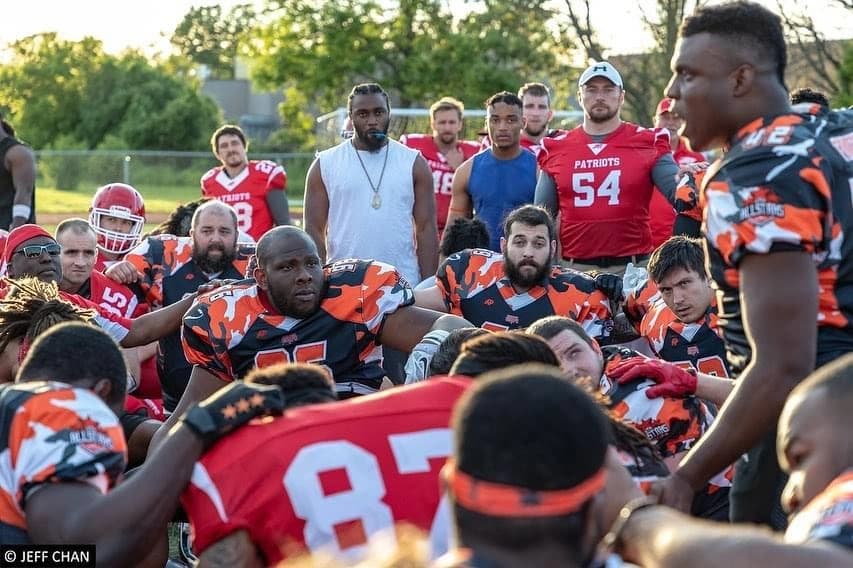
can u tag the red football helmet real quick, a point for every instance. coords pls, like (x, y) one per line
(120, 201)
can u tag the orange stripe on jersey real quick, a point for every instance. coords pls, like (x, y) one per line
(375, 278)
(49, 415)
(9, 513)
(816, 178)
(344, 303)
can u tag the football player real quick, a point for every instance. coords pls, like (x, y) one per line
(117, 215)
(673, 422)
(163, 269)
(516, 288)
(296, 310)
(65, 450)
(600, 176)
(777, 219)
(443, 151)
(255, 189)
(343, 472)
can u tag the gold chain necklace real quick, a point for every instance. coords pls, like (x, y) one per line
(376, 201)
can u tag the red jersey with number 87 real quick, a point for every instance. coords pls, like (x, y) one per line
(247, 193)
(328, 477)
(604, 189)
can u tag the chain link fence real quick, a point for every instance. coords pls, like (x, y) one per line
(149, 171)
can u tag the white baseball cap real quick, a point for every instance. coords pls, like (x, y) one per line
(601, 69)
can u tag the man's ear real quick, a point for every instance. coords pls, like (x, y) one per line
(103, 388)
(503, 246)
(742, 80)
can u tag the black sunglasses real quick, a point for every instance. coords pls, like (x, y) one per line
(35, 251)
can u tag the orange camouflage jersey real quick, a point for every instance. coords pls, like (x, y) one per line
(235, 328)
(673, 425)
(697, 344)
(168, 271)
(53, 433)
(475, 286)
(687, 201)
(168, 276)
(829, 516)
(784, 185)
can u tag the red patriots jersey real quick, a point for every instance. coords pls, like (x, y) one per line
(328, 477)
(604, 189)
(235, 329)
(247, 193)
(829, 516)
(661, 211)
(114, 297)
(696, 344)
(442, 172)
(53, 433)
(116, 326)
(784, 185)
(475, 286)
(101, 263)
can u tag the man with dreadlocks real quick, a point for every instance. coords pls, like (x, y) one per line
(30, 308)
(32, 251)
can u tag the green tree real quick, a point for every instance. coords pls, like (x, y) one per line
(67, 94)
(845, 79)
(316, 51)
(44, 84)
(209, 37)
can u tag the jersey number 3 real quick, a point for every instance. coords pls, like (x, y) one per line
(586, 192)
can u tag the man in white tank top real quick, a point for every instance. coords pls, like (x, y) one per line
(371, 197)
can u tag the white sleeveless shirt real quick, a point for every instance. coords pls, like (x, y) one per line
(354, 228)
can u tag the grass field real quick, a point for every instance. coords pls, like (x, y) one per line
(54, 205)
(158, 199)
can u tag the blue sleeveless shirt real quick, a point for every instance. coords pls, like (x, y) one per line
(498, 186)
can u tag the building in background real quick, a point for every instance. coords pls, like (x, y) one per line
(254, 111)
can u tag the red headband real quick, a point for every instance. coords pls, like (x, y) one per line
(499, 500)
(21, 235)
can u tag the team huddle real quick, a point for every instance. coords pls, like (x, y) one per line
(547, 348)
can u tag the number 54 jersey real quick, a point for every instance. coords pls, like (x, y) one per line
(329, 477)
(604, 188)
(234, 329)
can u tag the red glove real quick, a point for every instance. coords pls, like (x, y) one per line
(672, 380)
